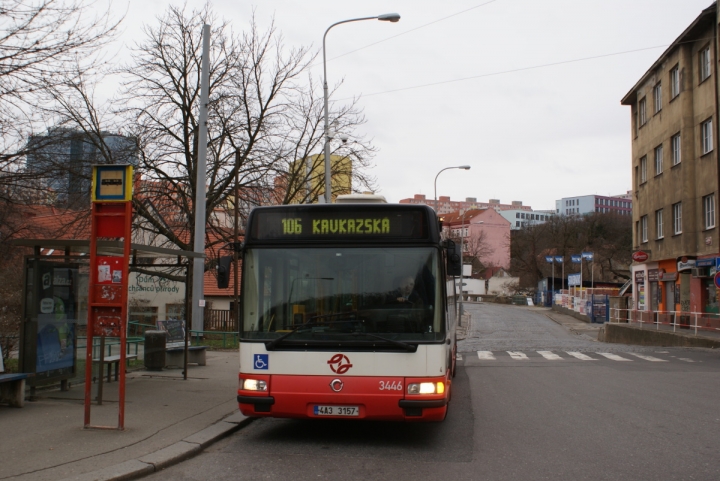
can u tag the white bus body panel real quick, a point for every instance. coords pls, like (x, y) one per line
(428, 360)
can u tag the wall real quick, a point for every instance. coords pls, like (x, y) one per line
(150, 291)
(496, 231)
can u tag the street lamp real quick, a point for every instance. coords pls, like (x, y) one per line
(388, 17)
(465, 167)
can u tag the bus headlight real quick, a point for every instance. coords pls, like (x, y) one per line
(253, 385)
(426, 388)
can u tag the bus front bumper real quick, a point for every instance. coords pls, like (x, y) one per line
(309, 397)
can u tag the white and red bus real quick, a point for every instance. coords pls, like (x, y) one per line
(324, 331)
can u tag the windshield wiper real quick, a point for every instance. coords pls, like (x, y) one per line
(404, 345)
(271, 344)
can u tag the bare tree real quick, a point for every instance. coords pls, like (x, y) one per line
(608, 236)
(475, 250)
(42, 43)
(263, 123)
(302, 171)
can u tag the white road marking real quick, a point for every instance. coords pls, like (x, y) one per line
(647, 358)
(612, 356)
(517, 355)
(458, 357)
(685, 359)
(581, 356)
(485, 355)
(549, 355)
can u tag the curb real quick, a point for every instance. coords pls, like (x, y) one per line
(170, 455)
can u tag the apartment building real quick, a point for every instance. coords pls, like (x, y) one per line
(586, 204)
(445, 205)
(525, 218)
(674, 108)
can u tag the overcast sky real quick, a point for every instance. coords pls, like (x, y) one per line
(527, 92)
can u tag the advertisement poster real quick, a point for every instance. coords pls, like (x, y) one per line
(56, 329)
(109, 269)
(641, 297)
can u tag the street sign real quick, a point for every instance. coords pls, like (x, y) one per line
(717, 280)
(640, 256)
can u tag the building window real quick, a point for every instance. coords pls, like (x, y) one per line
(674, 82)
(642, 117)
(704, 63)
(677, 218)
(658, 161)
(659, 224)
(657, 97)
(643, 169)
(643, 228)
(707, 140)
(176, 311)
(709, 211)
(675, 142)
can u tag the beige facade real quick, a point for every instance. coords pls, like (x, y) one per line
(674, 109)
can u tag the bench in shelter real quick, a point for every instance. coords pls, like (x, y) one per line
(111, 361)
(175, 346)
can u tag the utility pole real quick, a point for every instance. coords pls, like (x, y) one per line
(198, 281)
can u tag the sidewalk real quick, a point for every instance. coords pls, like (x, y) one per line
(576, 326)
(167, 419)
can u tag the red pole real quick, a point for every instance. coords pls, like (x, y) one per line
(124, 313)
(90, 323)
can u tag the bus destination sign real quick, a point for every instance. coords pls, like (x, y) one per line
(308, 224)
(338, 226)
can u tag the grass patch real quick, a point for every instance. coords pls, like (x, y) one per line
(214, 344)
(11, 365)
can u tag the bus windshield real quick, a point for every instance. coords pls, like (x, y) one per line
(335, 294)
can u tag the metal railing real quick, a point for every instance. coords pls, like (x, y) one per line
(207, 337)
(697, 321)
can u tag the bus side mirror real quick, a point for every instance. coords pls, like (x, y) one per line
(454, 266)
(223, 272)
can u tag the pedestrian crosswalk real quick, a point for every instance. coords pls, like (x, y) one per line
(570, 355)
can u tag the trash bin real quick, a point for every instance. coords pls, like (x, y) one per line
(155, 350)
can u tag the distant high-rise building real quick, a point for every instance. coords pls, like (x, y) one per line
(62, 161)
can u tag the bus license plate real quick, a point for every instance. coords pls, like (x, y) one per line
(336, 410)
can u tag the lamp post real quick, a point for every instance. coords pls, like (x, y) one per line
(388, 17)
(465, 167)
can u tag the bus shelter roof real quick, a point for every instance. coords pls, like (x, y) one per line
(104, 247)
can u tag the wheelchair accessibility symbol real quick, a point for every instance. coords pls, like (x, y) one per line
(261, 361)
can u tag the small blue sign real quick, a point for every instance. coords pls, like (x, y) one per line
(548, 258)
(574, 280)
(706, 262)
(558, 259)
(588, 256)
(577, 259)
(261, 361)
